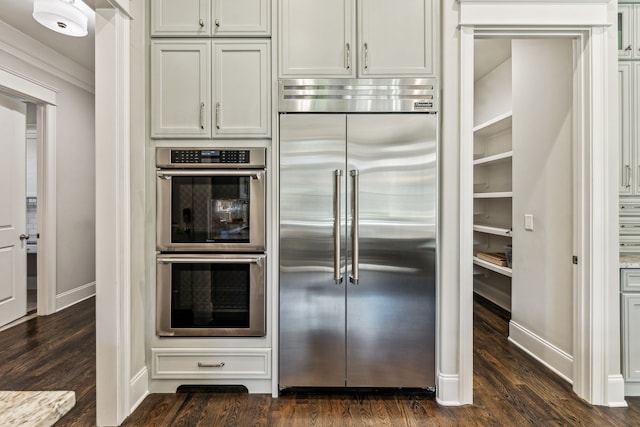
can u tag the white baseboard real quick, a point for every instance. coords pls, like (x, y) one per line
(448, 390)
(543, 351)
(615, 391)
(74, 296)
(501, 299)
(138, 388)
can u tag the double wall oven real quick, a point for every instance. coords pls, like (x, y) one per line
(211, 241)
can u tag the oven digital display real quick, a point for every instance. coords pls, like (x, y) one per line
(210, 156)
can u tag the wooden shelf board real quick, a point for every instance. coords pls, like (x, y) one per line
(494, 125)
(489, 229)
(495, 158)
(496, 195)
(505, 271)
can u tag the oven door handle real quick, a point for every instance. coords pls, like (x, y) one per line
(197, 260)
(253, 173)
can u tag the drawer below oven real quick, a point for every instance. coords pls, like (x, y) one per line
(181, 363)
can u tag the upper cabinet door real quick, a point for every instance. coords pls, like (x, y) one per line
(625, 14)
(180, 89)
(239, 18)
(626, 169)
(241, 89)
(174, 18)
(397, 38)
(317, 38)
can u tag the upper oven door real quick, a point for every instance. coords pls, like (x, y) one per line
(211, 210)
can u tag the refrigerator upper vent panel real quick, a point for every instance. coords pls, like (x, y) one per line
(358, 95)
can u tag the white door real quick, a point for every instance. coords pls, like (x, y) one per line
(396, 38)
(13, 254)
(317, 38)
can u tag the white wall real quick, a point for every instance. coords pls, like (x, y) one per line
(492, 93)
(75, 208)
(542, 284)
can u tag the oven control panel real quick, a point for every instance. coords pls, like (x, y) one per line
(210, 156)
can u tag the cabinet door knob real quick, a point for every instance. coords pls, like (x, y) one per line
(218, 23)
(201, 22)
(628, 48)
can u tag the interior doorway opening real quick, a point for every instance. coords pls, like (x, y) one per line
(524, 205)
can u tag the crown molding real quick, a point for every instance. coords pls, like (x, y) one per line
(34, 53)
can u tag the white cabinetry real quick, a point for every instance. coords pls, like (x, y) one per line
(630, 287)
(241, 88)
(317, 38)
(180, 89)
(396, 38)
(183, 102)
(321, 39)
(625, 96)
(221, 363)
(203, 18)
(629, 31)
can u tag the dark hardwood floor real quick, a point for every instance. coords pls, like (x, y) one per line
(510, 389)
(56, 352)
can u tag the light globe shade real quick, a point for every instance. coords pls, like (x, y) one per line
(60, 16)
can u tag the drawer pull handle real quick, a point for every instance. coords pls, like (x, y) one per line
(210, 365)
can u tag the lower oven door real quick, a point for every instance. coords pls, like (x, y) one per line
(210, 295)
(212, 210)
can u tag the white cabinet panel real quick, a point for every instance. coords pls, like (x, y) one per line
(396, 38)
(183, 87)
(180, 18)
(180, 89)
(241, 18)
(631, 339)
(630, 280)
(625, 125)
(241, 88)
(205, 18)
(219, 363)
(317, 38)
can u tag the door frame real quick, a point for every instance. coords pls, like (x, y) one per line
(596, 378)
(27, 89)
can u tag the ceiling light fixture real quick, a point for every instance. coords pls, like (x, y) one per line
(61, 16)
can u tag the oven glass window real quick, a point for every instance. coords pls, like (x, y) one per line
(210, 295)
(210, 209)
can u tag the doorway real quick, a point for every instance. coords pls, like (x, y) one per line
(31, 170)
(41, 102)
(523, 191)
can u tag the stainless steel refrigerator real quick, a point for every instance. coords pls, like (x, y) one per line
(358, 247)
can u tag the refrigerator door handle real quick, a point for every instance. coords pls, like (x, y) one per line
(353, 278)
(337, 276)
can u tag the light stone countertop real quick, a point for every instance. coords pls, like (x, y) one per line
(34, 408)
(629, 260)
